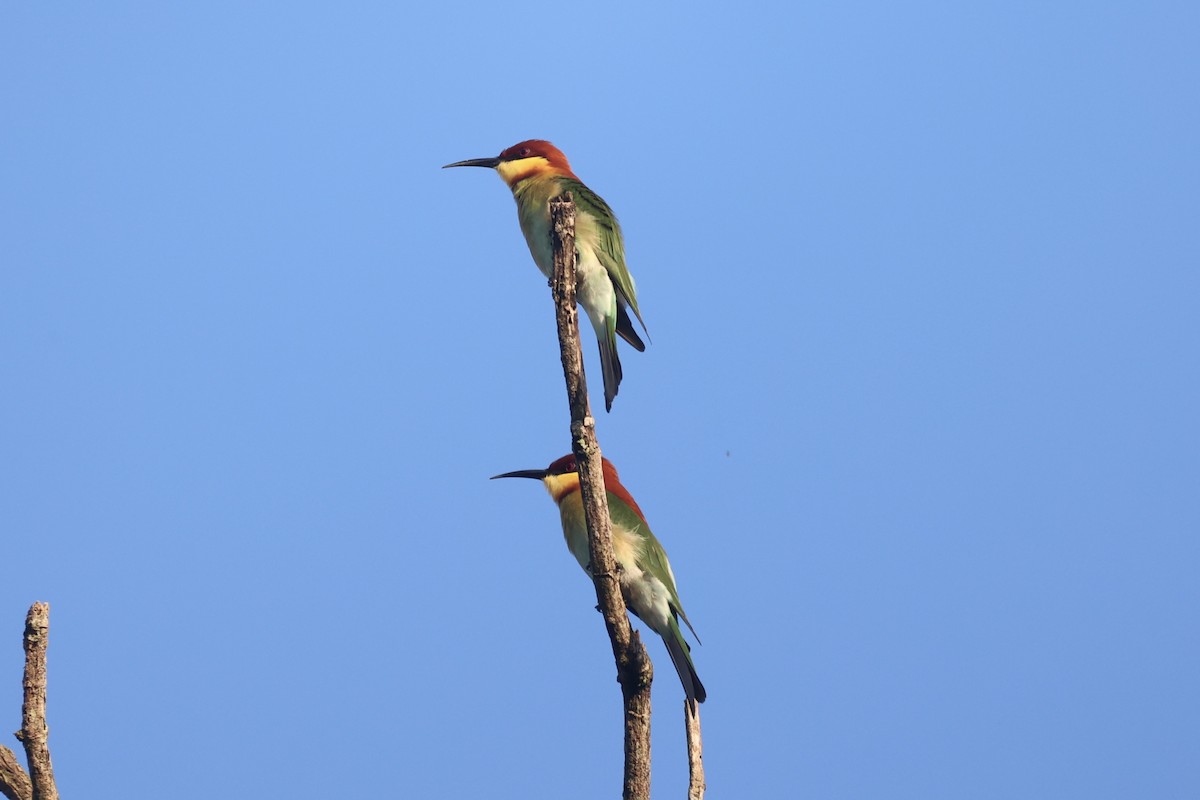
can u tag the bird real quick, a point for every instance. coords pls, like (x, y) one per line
(647, 583)
(536, 171)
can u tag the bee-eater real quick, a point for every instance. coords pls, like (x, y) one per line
(536, 172)
(647, 583)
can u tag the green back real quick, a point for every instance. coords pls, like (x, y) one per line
(612, 243)
(653, 558)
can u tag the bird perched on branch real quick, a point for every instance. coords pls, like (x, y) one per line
(647, 583)
(536, 172)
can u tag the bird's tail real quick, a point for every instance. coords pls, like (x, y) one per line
(610, 364)
(681, 657)
(625, 329)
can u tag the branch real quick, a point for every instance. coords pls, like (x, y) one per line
(634, 671)
(695, 749)
(14, 783)
(34, 732)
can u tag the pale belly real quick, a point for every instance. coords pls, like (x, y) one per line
(644, 594)
(594, 289)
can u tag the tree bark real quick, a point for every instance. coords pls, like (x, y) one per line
(634, 671)
(34, 731)
(695, 750)
(15, 784)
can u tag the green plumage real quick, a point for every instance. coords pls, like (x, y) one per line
(601, 254)
(651, 559)
(610, 250)
(536, 171)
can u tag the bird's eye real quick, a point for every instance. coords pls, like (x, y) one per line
(525, 151)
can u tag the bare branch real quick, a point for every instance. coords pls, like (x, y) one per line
(34, 732)
(695, 749)
(14, 783)
(634, 671)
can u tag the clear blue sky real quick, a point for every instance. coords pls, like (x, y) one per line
(919, 424)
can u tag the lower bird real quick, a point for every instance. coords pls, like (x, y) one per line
(536, 172)
(647, 583)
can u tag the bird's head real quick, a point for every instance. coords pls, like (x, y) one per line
(524, 160)
(561, 479)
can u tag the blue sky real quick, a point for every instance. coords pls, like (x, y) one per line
(918, 424)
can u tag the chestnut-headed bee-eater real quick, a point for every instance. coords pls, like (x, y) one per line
(537, 172)
(647, 583)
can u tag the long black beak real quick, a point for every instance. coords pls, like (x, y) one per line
(475, 162)
(536, 474)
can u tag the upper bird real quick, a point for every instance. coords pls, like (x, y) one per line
(647, 583)
(536, 172)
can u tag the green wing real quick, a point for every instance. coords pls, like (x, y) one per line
(654, 558)
(612, 244)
